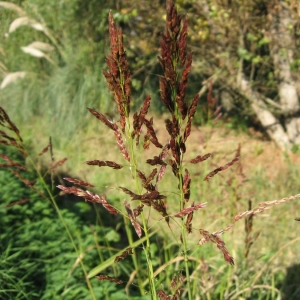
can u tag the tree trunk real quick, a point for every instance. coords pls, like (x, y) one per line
(282, 45)
(272, 126)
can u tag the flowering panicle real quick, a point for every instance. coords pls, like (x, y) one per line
(118, 74)
(175, 61)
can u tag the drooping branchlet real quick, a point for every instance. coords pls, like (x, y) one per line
(216, 240)
(89, 196)
(8, 140)
(124, 254)
(132, 216)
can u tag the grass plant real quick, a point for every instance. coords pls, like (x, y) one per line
(168, 252)
(176, 64)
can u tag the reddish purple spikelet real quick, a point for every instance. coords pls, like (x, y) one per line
(78, 182)
(11, 163)
(109, 278)
(89, 196)
(124, 254)
(186, 185)
(189, 210)
(216, 240)
(139, 119)
(6, 123)
(181, 91)
(118, 75)
(57, 164)
(191, 113)
(103, 119)
(22, 201)
(44, 150)
(200, 158)
(217, 170)
(162, 295)
(104, 163)
(151, 133)
(132, 216)
(121, 144)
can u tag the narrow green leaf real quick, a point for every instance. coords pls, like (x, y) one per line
(111, 260)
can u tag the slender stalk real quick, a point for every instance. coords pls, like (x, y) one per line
(174, 55)
(145, 227)
(184, 241)
(134, 258)
(101, 225)
(18, 144)
(52, 199)
(182, 204)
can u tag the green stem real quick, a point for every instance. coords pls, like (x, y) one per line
(66, 227)
(183, 235)
(145, 227)
(182, 201)
(101, 225)
(134, 258)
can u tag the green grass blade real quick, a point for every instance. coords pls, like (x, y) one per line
(111, 260)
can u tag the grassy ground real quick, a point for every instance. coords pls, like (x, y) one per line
(269, 174)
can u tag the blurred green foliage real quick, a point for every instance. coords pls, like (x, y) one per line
(57, 92)
(225, 38)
